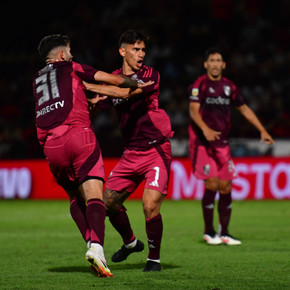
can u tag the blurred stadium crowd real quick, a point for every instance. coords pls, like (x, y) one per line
(255, 35)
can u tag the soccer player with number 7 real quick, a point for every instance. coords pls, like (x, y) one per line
(69, 143)
(147, 156)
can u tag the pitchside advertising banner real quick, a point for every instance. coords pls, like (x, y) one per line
(258, 178)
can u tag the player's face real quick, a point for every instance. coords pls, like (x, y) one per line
(214, 66)
(133, 56)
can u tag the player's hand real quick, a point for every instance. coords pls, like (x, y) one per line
(96, 99)
(88, 86)
(266, 137)
(211, 135)
(143, 85)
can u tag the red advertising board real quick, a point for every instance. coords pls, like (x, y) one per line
(258, 178)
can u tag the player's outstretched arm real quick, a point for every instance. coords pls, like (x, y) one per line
(249, 114)
(113, 91)
(209, 134)
(117, 80)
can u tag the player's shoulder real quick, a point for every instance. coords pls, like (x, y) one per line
(117, 71)
(198, 81)
(227, 81)
(148, 72)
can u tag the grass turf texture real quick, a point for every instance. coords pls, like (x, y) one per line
(41, 248)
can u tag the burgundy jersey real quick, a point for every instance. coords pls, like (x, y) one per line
(60, 97)
(142, 123)
(215, 98)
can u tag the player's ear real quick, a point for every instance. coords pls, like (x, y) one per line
(205, 64)
(122, 51)
(61, 55)
(224, 65)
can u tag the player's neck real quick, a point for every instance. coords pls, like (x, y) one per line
(214, 78)
(127, 70)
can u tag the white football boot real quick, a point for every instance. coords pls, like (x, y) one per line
(95, 256)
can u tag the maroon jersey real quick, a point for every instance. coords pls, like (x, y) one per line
(215, 98)
(143, 124)
(60, 97)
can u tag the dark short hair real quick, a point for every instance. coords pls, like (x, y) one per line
(50, 42)
(132, 36)
(213, 50)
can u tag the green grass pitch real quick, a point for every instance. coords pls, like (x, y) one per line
(41, 248)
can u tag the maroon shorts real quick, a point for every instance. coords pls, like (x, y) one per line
(152, 165)
(212, 162)
(74, 157)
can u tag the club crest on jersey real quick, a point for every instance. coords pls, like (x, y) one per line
(135, 78)
(211, 90)
(227, 90)
(206, 169)
(118, 101)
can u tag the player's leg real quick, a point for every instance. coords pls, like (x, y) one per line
(208, 205)
(78, 213)
(152, 200)
(226, 174)
(204, 167)
(225, 211)
(92, 190)
(120, 221)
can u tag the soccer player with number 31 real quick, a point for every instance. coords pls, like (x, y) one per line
(69, 143)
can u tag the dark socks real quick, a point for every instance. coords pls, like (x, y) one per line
(78, 213)
(121, 223)
(208, 202)
(225, 210)
(154, 229)
(96, 219)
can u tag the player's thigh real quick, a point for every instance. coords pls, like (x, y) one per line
(226, 165)
(92, 188)
(86, 154)
(156, 167)
(152, 200)
(204, 165)
(56, 152)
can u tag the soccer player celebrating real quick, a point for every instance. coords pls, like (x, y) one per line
(147, 156)
(69, 143)
(210, 97)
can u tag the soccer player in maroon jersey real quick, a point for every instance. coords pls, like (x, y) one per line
(147, 155)
(210, 97)
(69, 143)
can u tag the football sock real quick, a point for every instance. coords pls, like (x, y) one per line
(225, 210)
(131, 245)
(96, 214)
(121, 223)
(208, 201)
(78, 213)
(154, 229)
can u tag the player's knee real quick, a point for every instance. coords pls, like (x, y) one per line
(225, 188)
(212, 185)
(111, 204)
(150, 210)
(112, 208)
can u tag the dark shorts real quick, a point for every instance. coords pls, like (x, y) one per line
(74, 157)
(152, 165)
